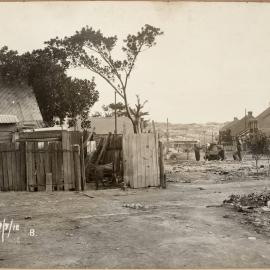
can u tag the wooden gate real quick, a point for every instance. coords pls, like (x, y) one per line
(12, 167)
(44, 160)
(141, 160)
(39, 162)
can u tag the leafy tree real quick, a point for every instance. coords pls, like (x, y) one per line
(56, 93)
(110, 109)
(259, 146)
(136, 112)
(92, 50)
(96, 114)
(12, 66)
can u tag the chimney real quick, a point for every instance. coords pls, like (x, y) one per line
(249, 114)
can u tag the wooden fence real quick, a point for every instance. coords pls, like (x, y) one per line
(12, 167)
(141, 160)
(42, 162)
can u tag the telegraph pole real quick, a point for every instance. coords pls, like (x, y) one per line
(245, 118)
(167, 133)
(204, 142)
(115, 116)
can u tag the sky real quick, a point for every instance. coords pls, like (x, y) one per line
(211, 64)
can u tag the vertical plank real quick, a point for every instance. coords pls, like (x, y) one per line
(138, 157)
(55, 177)
(1, 170)
(83, 180)
(143, 152)
(22, 150)
(37, 166)
(30, 167)
(134, 164)
(34, 168)
(148, 158)
(9, 166)
(124, 155)
(65, 159)
(53, 151)
(72, 169)
(46, 158)
(49, 182)
(61, 166)
(161, 165)
(27, 165)
(59, 176)
(13, 166)
(42, 169)
(130, 161)
(157, 159)
(134, 153)
(70, 162)
(17, 167)
(155, 166)
(77, 167)
(5, 169)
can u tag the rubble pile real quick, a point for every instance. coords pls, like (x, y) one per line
(228, 170)
(255, 208)
(253, 199)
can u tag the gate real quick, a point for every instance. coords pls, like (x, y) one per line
(42, 161)
(141, 160)
(12, 167)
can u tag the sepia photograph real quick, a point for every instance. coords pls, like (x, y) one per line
(134, 134)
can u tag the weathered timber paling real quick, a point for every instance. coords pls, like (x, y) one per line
(12, 162)
(141, 160)
(29, 164)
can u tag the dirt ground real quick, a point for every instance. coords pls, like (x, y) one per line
(183, 226)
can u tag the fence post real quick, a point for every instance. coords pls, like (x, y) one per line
(83, 180)
(66, 159)
(161, 165)
(48, 181)
(77, 166)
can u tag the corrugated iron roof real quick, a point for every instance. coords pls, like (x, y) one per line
(19, 100)
(8, 119)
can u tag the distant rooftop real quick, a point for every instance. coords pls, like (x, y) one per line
(104, 125)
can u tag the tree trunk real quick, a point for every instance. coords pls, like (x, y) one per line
(134, 122)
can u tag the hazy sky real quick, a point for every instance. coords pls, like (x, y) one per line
(212, 62)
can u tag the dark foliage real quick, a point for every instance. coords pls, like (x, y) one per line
(56, 93)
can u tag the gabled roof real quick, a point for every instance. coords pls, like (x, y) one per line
(240, 125)
(229, 125)
(264, 114)
(19, 100)
(8, 119)
(263, 119)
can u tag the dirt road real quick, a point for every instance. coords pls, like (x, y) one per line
(176, 229)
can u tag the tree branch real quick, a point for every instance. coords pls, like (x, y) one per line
(107, 80)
